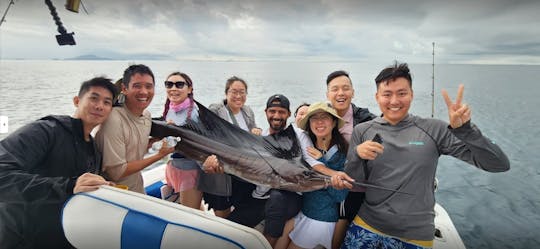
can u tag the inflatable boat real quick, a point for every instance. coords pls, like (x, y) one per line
(115, 218)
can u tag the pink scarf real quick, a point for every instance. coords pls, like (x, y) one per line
(178, 107)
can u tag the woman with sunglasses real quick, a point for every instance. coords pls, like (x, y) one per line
(182, 173)
(220, 190)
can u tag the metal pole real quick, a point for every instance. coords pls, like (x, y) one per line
(64, 38)
(433, 82)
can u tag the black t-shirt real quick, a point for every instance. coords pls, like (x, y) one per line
(92, 166)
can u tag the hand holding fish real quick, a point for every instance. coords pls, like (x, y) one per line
(256, 131)
(458, 112)
(165, 149)
(211, 165)
(369, 150)
(341, 180)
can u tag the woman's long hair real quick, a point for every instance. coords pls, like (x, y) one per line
(336, 139)
(190, 95)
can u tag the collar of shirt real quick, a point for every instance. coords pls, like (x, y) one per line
(347, 129)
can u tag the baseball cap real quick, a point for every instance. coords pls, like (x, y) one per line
(278, 100)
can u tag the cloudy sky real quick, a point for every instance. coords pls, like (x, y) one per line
(472, 31)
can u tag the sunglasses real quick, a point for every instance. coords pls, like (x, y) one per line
(178, 84)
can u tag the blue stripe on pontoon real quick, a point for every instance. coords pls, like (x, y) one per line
(141, 231)
(180, 225)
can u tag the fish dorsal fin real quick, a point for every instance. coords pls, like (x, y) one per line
(212, 126)
(283, 144)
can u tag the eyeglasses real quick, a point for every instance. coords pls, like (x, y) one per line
(320, 117)
(234, 92)
(178, 84)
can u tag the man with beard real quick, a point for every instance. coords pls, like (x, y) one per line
(254, 203)
(281, 205)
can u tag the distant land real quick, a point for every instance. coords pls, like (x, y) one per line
(118, 56)
(89, 57)
(108, 56)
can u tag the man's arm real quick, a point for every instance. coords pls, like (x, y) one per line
(477, 149)
(136, 166)
(305, 143)
(89, 182)
(354, 166)
(339, 178)
(468, 144)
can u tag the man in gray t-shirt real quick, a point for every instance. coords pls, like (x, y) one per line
(401, 151)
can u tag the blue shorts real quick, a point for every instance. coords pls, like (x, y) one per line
(362, 236)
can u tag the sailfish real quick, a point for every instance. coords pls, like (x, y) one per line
(274, 161)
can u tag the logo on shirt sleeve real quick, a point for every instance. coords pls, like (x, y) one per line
(417, 143)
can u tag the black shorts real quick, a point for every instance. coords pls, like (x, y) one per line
(248, 211)
(217, 202)
(350, 206)
(280, 207)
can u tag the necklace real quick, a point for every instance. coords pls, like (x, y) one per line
(323, 144)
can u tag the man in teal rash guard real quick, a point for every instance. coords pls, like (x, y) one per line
(404, 156)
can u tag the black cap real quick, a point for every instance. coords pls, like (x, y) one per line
(278, 100)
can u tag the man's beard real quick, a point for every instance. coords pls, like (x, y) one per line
(277, 127)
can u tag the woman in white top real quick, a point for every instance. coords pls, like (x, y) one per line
(218, 188)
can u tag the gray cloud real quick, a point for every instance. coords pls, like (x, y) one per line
(482, 31)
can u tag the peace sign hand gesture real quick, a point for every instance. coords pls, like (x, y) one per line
(458, 113)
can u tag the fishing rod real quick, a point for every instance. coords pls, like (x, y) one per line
(368, 185)
(433, 81)
(5, 13)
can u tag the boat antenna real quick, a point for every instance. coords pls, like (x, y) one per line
(11, 2)
(433, 81)
(64, 38)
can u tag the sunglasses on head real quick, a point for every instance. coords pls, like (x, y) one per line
(178, 84)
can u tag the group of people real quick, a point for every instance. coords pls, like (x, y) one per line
(45, 162)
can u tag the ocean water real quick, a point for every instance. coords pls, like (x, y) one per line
(489, 210)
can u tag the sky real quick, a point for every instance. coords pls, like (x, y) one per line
(472, 31)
